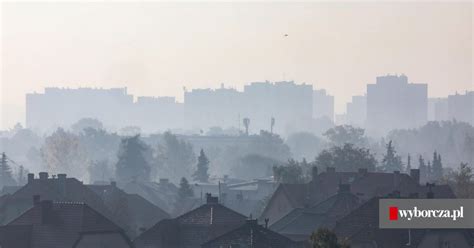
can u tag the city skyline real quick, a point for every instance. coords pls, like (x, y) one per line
(143, 53)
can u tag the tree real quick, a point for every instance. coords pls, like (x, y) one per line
(185, 190)
(437, 167)
(408, 169)
(346, 158)
(132, 164)
(21, 177)
(84, 123)
(6, 178)
(391, 161)
(325, 238)
(62, 152)
(291, 172)
(423, 169)
(304, 145)
(463, 181)
(174, 157)
(246, 122)
(340, 135)
(253, 166)
(100, 171)
(201, 173)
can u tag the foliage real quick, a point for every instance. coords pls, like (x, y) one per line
(62, 152)
(132, 163)
(174, 157)
(451, 138)
(84, 123)
(6, 178)
(346, 134)
(100, 171)
(305, 145)
(346, 158)
(325, 238)
(437, 167)
(292, 172)
(185, 190)
(253, 166)
(202, 172)
(391, 161)
(463, 180)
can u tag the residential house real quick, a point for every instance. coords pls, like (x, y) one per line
(364, 185)
(300, 223)
(250, 235)
(62, 225)
(193, 228)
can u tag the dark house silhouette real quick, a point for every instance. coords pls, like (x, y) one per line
(60, 225)
(251, 234)
(364, 185)
(301, 222)
(193, 228)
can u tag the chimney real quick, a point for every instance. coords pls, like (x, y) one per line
(415, 175)
(43, 175)
(62, 184)
(252, 222)
(344, 188)
(330, 169)
(113, 184)
(164, 181)
(31, 177)
(211, 199)
(314, 173)
(363, 171)
(46, 211)
(36, 200)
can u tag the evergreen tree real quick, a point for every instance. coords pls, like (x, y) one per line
(391, 161)
(423, 169)
(408, 169)
(463, 181)
(6, 178)
(185, 190)
(429, 172)
(132, 164)
(437, 169)
(201, 173)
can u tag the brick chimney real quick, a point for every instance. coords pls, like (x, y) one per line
(415, 175)
(43, 175)
(31, 177)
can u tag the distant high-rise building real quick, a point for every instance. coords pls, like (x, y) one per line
(63, 107)
(356, 111)
(461, 107)
(393, 103)
(323, 105)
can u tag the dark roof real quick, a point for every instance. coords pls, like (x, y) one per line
(301, 222)
(364, 185)
(251, 235)
(141, 212)
(15, 236)
(59, 224)
(193, 228)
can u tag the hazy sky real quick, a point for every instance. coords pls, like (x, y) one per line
(157, 48)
